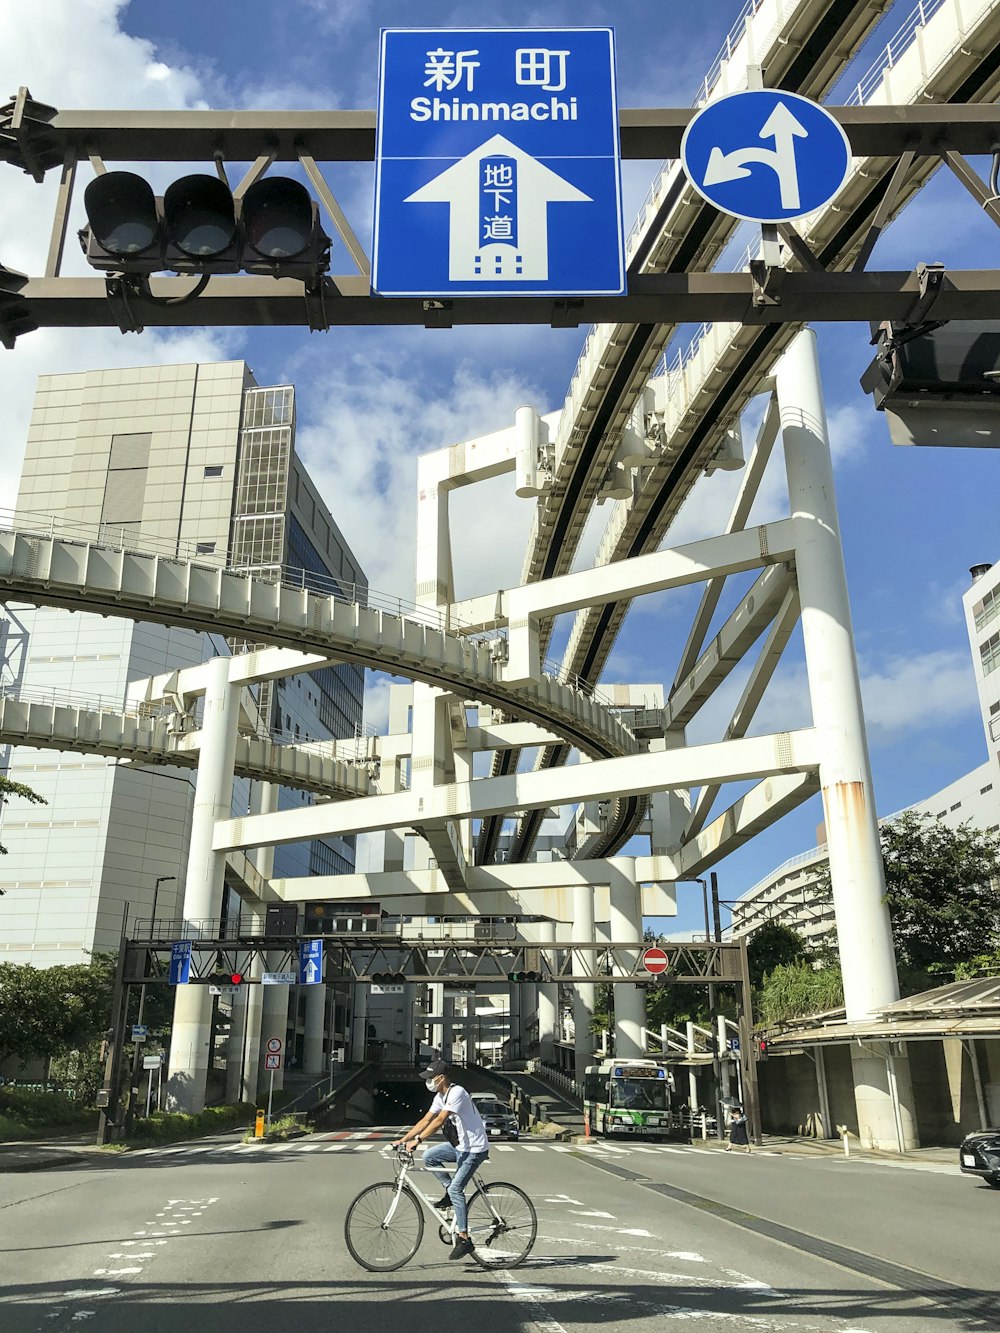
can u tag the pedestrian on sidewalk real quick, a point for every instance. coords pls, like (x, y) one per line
(738, 1136)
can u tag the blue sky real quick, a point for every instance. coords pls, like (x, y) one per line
(370, 400)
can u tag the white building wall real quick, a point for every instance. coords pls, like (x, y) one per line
(981, 603)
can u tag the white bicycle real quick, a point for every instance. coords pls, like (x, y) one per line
(385, 1223)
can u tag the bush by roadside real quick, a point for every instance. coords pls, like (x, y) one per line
(168, 1126)
(283, 1128)
(34, 1115)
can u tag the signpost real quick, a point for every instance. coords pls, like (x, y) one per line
(279, 979)
(765, 155)
(497, 166)
(310, 963)
(139, 1031)
(272, 1061)
(655, 961)
(180, 963)
(152, 1062)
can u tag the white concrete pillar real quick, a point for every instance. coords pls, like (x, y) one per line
(312, 1046)
(884, 1096)
(584, 992)
(548, 1001)
(626, 928)
(203, 885)
(447, 1025)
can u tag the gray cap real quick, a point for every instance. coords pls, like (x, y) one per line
(434, 1069)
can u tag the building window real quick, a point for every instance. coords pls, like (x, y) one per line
(956, 806)
(205, 548)
(994, 708)
(268, 407)
(984, 790)
(263, 471)
(213, 472)
(989, 653)
(988, 609)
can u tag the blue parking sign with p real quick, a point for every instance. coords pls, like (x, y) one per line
(497, 163)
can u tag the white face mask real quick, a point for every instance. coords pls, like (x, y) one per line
(430, 1084)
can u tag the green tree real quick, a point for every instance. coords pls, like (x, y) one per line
(773, 945)
(943, 893)
(9, 788)
(45, 1012)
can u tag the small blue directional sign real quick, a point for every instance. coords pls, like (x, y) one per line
(180, 963)
(497, 165)
(310, 962)
(765, 155)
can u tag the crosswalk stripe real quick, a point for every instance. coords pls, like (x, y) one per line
(335, 1147)
(527, 1149)
(310, 1147)
(500, 1147)
(364, 1147)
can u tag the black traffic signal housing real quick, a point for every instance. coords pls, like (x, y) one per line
(388, 978)
(518, 978)
(197, 226)
(761, 1049)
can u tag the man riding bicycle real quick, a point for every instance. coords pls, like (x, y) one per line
(451, 1102)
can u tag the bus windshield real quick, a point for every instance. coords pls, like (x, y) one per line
(639, 1094)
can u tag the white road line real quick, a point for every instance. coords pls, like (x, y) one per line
(364, 1147)
(500, 1147)
(335, 1147)
(527, 1149)
(311, 1147)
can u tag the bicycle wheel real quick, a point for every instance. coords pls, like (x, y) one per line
(502, 1224)
(379, 1236)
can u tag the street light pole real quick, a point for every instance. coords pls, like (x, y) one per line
(137, 1045)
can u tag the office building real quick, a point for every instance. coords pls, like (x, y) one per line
(196, 461)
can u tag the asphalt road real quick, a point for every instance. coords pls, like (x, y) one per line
(219, 1236)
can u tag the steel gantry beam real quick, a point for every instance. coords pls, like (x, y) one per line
(37, 138)
(363, 957)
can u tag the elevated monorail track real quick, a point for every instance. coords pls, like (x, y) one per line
(967, 71)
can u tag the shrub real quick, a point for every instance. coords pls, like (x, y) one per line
(168, 1126)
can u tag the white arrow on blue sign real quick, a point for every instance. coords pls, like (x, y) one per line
(180, 963)
(310, 962)
(497, 164)
(765, 155)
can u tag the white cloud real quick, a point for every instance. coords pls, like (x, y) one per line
(918, 692)
(360, 438)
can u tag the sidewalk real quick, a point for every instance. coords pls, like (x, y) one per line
(804, 1147)
(43, 1154)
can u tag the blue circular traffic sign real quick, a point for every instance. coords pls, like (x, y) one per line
(765, 155)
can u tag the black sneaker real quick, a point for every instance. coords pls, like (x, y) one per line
(443, 1205)
(463, 1247)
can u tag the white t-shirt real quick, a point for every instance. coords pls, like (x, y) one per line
(472, 1136)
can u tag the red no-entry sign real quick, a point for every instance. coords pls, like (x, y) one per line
(655, 961)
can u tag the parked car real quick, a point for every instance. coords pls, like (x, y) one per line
(499, 1119)
(979, 1155)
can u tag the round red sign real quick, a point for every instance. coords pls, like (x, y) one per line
(655, 960)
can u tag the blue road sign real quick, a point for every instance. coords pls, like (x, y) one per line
(765, 155)
(733, 1043)
(180, 963)
(310, 962)
(497, 165)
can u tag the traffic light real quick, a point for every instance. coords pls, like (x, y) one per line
(388, 978)
(516, 978)
(761, 1049)
(236, 979)
(197, 226)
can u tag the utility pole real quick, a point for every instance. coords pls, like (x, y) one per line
(137, 1045)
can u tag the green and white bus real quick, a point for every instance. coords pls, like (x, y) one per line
(628, 1097)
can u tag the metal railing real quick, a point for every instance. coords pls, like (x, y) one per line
(122, 538)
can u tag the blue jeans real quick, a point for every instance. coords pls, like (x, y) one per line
(466, 1163)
